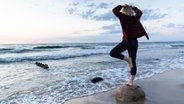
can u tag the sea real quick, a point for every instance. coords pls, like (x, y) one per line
(72, 66)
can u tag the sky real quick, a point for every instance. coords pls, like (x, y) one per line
(58, 21)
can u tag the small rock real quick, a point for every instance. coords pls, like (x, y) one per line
(45, 66)
(96, 79)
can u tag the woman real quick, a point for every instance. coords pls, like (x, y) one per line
(132, 29)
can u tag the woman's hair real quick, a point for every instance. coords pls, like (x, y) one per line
(127, 9)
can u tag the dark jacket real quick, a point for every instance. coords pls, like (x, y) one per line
(131, 25)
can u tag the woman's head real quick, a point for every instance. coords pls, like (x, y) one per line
(127, 9)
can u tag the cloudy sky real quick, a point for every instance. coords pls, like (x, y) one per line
(50, 21)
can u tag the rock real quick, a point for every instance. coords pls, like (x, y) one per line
(96, 79)
(45, 66)
(130, 95)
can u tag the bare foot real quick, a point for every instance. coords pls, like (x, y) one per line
(130, 84)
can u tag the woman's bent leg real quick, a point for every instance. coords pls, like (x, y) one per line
(117, 53)
(117, 50)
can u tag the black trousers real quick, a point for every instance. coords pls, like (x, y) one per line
(131, 46)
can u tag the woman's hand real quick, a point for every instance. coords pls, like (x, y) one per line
(135, 8)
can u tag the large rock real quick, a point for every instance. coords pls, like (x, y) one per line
(130, 95)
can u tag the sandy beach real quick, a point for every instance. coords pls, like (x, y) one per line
(163, 88)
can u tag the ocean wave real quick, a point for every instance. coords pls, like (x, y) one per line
(5, 49)
(18, 51)
(30, 49)
(42, 48)
(177, 45)
(65, 46)
(44, 57)
(49, 47)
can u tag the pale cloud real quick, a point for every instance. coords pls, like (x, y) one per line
(94, 11)
(172, 25)
(151, 14)
(90, 12)
(41, 20)
(112, 29)
(156, 19)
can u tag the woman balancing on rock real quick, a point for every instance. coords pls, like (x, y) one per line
(132, 29)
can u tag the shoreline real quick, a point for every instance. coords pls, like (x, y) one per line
(162, 88)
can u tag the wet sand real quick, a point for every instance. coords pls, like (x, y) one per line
(163, 88)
